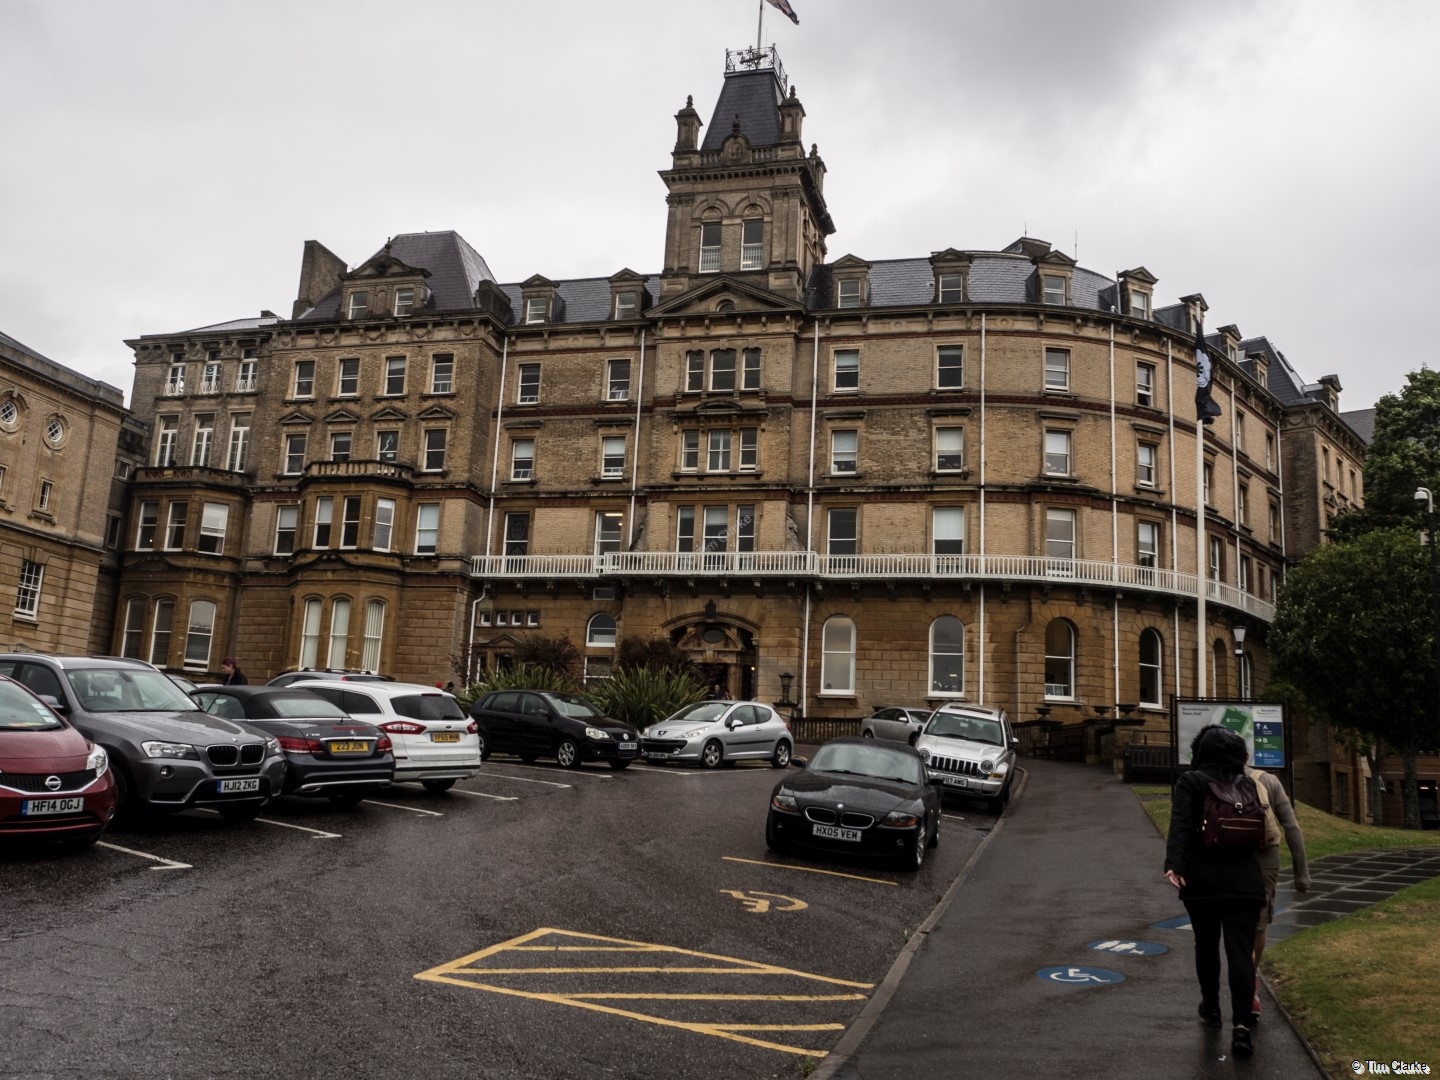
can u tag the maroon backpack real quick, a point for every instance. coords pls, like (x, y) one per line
(1232, 815)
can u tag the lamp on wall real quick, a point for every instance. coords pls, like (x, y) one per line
(1239, 631)
(785, 680)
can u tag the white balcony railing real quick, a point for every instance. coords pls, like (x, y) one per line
(918, 567)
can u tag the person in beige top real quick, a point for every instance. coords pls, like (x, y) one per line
(1280, 824)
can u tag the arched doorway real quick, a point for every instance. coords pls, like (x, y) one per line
(723, 652)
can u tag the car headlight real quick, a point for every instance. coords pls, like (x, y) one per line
(987, 766)
(98, 760)
(272, 748)
(696, 736)
(782, 801)
(596, 734)
(899, 819)
(169, 750)
(925, 753)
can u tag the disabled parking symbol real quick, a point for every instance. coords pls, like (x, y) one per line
(1080, 976)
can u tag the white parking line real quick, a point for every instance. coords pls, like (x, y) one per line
(524, 779)
(397, 806)
(320, 834)
(541, 768)
(168, 864)
(953, 817)
(688, 774)
(483, 795)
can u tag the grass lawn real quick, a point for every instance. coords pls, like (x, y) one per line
(1362, 987)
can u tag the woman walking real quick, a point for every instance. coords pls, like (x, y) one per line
(1222, 887)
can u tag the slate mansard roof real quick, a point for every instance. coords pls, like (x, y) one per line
(753, 98)
(456, 270)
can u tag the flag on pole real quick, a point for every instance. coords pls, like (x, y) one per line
(784, 6)
(1206, 410)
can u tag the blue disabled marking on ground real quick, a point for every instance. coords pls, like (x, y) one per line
(1180, 922)
(1079, 976)
(1129, 948)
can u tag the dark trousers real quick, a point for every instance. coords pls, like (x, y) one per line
(1235, 922)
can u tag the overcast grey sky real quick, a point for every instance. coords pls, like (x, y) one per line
(164, 162)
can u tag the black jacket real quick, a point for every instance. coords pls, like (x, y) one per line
(1218, 873)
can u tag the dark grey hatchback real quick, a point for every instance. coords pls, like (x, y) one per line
(166, 752)
(539, 723)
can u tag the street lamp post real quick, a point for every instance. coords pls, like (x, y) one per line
(1423, 495)
(1239, 631)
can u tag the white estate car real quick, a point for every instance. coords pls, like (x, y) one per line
(970, 749)
(435, 742)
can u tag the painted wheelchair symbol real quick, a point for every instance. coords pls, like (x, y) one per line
(1080, 976)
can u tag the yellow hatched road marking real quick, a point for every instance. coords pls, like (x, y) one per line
(468, 970)
(809, 870)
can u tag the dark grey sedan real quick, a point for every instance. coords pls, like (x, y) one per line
(166, 753)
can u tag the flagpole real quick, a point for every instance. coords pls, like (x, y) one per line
(760, 27)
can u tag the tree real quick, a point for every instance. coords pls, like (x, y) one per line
(1404, 455)
(559, 654)
(659, 653)
(1352, 635)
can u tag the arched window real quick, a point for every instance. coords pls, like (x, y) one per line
(1059, 660)
(947, 655)
(1217, 663)
(600, 633)
(374, 634)
(1152, 672)
(198, 634)
(339, 630)
(1245, 673)
(160, 632)
(837, 662)
(310, 633)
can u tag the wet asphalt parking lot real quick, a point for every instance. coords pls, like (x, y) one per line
(530, 922)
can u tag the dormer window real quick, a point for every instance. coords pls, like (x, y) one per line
(710, 247)
(850, 293)
(1055, 288)
(359, 304)
(404, 302)
(535, 310)
(626, 305)
(950, 288)
(1139, 304)
(752, 245)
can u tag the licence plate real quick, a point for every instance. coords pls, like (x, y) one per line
(230, 787)
(36, 807)
(955, 781)
(349, 747)
(627, 746)
(444, 736)
(834, 832)
(656, 753)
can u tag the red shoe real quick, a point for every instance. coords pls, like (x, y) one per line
(1255, 1003)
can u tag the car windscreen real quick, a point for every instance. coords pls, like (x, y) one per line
(303, 705)
(576, 707)
(876, 762)
(127, 690)
(22, 711)
(428, 707)
(702, 712)
(973, 728)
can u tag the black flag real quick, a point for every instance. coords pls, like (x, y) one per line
(1205, 408)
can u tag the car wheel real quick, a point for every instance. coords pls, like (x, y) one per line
(240, 811)
(712, 755)
(347, 798)
(781, 757)
(568, 754)
(935, 836)
(618, 765)
(126, 806)
(437, 786)
(914, 856)
(80, 843)
(484, 746)
(867, 733)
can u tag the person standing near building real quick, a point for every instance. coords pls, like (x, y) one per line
(230, 674)
(1280, 822)
(1222, 887)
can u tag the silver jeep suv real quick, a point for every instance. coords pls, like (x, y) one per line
(166, 753)
(970, 749)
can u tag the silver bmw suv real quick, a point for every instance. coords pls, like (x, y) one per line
(166, 753)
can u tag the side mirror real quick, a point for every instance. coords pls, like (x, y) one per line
(914, 737)
(1014, 740)
(799, 762)
(55, 703)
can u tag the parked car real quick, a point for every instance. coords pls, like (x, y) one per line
(329, 753)
(434, 742)
(165, 752)
(539, 723)
(858, 796)
(711, 733)
(971, 749)
(285, 678)
(55, 784)
(898, 723)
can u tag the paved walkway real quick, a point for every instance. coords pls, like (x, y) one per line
(1074, 863)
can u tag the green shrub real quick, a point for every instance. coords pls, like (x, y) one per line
(640, 696)
(518, 677)
(559, 654)
(655, 652)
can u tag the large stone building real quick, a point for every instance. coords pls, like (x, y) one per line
(67, 448)
(969, 474)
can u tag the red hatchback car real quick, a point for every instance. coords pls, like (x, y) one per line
(55, 784)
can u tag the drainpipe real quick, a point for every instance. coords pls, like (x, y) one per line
(1174, 509)
(470, 649)
(980, 659)
(495, 458)
(635, 449)
(1114, 520)
(810, 518)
